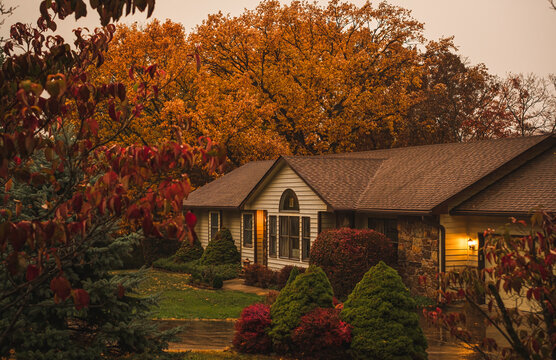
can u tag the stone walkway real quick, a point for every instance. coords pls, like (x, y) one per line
(238, 285)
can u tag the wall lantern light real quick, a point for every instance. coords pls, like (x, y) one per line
(472, 244)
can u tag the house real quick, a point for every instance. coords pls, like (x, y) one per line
(433, 201)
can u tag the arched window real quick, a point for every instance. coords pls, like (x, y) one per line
(288, 201)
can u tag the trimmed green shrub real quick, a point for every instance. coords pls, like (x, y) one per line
(221, 250)
(383, 317)
(207, 275)
(346, 255)
(304, 293)
(189, 252)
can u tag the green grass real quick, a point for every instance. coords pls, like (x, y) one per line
(178, 300)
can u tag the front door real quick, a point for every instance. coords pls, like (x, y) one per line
(261, 247)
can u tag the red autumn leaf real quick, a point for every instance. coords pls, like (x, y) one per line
(61, 288)
(121, 291)
(77, 202)
(190, 219)
(80, 298)
(32, 272)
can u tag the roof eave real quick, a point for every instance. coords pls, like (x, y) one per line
(496, 174)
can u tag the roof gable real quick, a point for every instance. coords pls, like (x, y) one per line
(230, 190)
(518, 192)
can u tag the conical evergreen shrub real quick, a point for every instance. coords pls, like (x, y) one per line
(382, 313)
(188, 251)
(303, 293)
(221, 250)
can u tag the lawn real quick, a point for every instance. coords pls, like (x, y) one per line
(178, 300)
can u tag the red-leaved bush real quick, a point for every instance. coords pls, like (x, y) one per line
(346, 255)
(250, 335)
(322, 335)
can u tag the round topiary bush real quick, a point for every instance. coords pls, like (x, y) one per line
(304, 293)
(188, 251)
(321, 334)
(383, 317)
(221, 250)
(346, 255)
(251, 330)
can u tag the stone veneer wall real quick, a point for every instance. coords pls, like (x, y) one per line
(418, 255)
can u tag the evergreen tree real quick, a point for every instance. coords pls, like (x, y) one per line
(382, 313)
(112, 324)
(221, 250)
(302, 294)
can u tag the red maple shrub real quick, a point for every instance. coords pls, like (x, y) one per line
(259, 275)
(251, 330)
(322, 335)
(346, 255)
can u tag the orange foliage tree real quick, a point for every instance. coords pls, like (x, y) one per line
(307, 79)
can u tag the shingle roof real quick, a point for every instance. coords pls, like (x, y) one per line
(231, 189)
(412, 179)
(340, 181)
(528, 187)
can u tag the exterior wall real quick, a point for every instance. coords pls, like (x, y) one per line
(202, 227)
(269, 199)
(461, 228)
(327, 221)
(229, 219)
(418, 254)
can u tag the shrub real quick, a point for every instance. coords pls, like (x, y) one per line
(284, 275)
(188, 251)
(346, 254)
(251, 330)
(221, 250)
(383, 317)
(207, 275)
(304, 293)
(259, 275)
(321, 335)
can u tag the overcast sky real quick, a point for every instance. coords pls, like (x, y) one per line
(506, 35)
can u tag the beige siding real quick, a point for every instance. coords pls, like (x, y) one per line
(269, 199)
(461, 228)
(202, 227)
(231, 220)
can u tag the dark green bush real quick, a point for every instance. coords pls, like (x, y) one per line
(304, 293)
(200, 274)
(188, 251)
(284, 275)
(383, 317)
(221, 250)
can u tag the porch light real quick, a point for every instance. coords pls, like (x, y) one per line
(472, 244)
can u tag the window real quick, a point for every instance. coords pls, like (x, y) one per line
(272, 235)
(214, 224)
(288, 201)
(248, 230)
(305, 238)
(289, 237)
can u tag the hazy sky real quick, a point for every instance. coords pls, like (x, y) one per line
(506, 35)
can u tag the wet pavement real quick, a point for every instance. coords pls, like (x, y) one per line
(218, 334)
